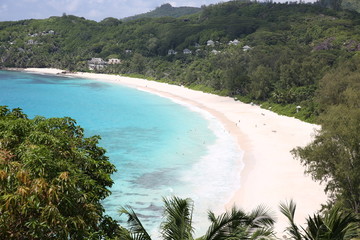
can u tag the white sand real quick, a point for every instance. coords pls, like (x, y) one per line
(270, 175)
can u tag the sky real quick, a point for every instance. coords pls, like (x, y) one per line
(12, 10)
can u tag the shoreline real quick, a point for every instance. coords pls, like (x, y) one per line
(270, 174)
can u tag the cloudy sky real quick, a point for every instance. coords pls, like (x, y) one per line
(11, 10)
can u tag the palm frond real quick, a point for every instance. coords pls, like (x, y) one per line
(177, 224)
(236, 224)
(340, 225)
(225, 224)
(261, 217)
(138, 232)
(333, 226)
(315, 228)
(288, 210)
(262, 234)
(211, 216)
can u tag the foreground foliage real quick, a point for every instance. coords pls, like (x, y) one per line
(177, 224)
(52, 179)
(333, 225)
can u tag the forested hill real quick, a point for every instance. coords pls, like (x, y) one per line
(166, 10)
(276, 54)
(351, 5)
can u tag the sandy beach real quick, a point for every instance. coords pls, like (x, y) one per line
(271, 175)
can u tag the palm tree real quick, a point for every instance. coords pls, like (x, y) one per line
(177, 224)
(334, 225)
(178, 219)
(237, 224)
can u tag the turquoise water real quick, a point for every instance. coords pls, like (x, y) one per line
(160, 147)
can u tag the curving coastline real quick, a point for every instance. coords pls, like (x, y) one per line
(270, 174)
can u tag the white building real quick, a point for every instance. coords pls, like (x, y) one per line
(246, 48)
(172, 52)
(114, 61)
(210, 43)
(96, 64)
(187, 51)
(235, 42)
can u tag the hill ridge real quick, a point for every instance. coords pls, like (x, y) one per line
(166, 10)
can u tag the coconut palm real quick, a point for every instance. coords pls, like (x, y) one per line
(177, 224)
(236, 224)
(334, 225)
(136, 229)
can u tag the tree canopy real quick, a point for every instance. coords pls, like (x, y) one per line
(334, 156)
(52, 178)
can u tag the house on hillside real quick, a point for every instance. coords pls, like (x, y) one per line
(215, 52)
(172, 52)
(114, 61)
(32, 42)
(96, 64)
(235, 42)
(246, 48)
(210, 43)
(187, 51)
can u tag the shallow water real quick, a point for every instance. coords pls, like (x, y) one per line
(160, 147)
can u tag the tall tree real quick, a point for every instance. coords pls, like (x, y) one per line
(52, 178)
(334, 155)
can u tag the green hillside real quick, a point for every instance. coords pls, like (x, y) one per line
(351, 5)
(289, 48)
(166, 10)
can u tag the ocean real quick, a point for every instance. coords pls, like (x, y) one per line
(160, 147)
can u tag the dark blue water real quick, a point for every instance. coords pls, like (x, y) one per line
(160, 148)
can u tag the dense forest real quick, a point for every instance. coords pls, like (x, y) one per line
(277, 55)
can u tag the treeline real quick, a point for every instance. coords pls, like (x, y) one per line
(288, 49)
